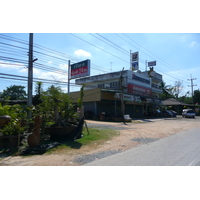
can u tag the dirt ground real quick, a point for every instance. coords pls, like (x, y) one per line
(132, 134)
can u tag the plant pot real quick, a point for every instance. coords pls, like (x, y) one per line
(4, 120)
(10, 141)
(58, 133)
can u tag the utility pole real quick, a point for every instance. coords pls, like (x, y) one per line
(122, 94)
(30, 73)
(192, 85)
(146, 65)
(68, 90)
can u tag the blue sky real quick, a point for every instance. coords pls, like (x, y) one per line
(176, 54)
(166, 32)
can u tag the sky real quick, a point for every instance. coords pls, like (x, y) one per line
(176, 55)
(166, 32)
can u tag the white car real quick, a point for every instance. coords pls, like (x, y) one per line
(188, 113)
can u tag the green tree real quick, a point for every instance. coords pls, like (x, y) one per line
(167, 91)
(186, 98)
(38, 91)
(177, 89)
(196, 97)
(14, 92)
(56, 105)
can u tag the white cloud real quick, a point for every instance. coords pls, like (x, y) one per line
(82, 53)
(8, 65)
(50, 62)
(64, 66)
(193, 44)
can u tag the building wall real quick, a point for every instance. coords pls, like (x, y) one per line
(92, 95)
(139, 90)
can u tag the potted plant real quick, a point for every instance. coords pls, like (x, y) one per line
(12, 135)
(57, 112)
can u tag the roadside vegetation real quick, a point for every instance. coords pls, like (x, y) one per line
(95, 137)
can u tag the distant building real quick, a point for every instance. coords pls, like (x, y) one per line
(141, 92)
(173, 104)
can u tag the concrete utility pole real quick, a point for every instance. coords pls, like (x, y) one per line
(192, 85)
(68, 85)
(30, 73)
(122, 94)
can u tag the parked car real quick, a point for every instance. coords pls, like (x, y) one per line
(158, 113)
(188, 113)
(166, 113)
(173, 112)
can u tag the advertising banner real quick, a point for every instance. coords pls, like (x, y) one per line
(80, 69)
(152, 63)
(127, 97)
(135, 61)
(134, 66)
(138, 90)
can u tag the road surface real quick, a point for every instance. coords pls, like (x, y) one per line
(181, 149)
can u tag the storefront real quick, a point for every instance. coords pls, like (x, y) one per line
(109, 102)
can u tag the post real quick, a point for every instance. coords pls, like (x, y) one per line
(130, 61)
(115, 107)
(192, 85)
(30, 73)
(122, 94)
(68, 76)
(146, 65)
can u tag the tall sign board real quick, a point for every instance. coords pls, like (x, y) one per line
(152, 63)
(134, 61)
(80, 69)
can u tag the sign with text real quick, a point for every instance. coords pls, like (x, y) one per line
(134, 61)
(80, 69)
(138, 90)
(152, 63)
(128, 97)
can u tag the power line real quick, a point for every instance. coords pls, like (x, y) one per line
(169, 65)
(109, 44)
(99, 48)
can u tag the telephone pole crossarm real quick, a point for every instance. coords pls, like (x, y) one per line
(192, 85)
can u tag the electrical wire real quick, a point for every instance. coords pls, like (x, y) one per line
(62, 57)
(98, 47)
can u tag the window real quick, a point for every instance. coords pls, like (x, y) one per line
(101, 85)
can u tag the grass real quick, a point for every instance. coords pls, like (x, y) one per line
(95, 136)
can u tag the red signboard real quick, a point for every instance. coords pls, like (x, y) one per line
(80, 69)
(138, 90)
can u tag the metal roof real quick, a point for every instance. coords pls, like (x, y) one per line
(174, 102)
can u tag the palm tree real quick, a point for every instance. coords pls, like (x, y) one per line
(167, 91)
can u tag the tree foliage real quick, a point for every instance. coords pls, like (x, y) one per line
(197, 96)
(38, 90)
(56, 105)
(167, 91)
(14, 92)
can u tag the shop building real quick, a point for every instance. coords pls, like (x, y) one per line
(103, 93)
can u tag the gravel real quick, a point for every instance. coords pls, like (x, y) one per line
(144, 140)
(91, 157)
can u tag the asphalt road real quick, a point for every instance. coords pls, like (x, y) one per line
(182, 149)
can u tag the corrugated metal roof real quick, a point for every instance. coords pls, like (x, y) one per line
(174, 102)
